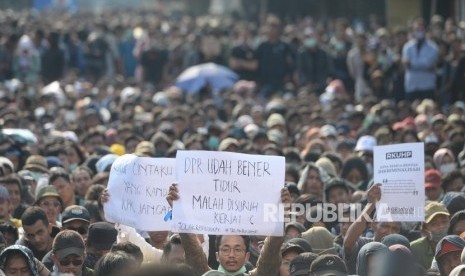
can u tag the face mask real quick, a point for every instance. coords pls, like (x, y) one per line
(420, 35)
(447, 168)
(36, 176)
(72, 167)
(213, 142)
(438, 235)
(310, 42)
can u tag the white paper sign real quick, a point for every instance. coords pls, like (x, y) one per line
(225, 193)
(400, 169)
(138, 187)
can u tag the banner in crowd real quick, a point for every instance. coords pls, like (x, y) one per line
(225, 193)
(138, 187)
(400, 169)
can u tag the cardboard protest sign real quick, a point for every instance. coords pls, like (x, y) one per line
(400, 169)
(225, 193)
(138, 187)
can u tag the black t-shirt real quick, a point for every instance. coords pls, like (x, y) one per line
(275, 62)
(153, 61)
(245, 52)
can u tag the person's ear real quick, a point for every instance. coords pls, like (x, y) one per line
(247, 256)
(54, 259)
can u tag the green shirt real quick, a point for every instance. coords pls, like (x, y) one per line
(422, 250)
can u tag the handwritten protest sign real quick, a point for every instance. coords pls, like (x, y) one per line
(138, 187)
(224, 193)
(400, 169)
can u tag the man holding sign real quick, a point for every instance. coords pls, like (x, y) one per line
(232, 250)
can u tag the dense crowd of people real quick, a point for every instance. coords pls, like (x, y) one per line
(80, 90)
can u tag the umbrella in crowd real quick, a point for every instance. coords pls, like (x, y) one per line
(194, 78)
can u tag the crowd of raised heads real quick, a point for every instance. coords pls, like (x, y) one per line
(77, 91)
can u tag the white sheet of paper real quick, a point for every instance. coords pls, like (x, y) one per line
(138, 187)
(400, 169)
(224, 193)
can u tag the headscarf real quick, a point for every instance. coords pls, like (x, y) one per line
(372, 248)
(456, 218)
(439, 156)
(24, 251)
(321, 240)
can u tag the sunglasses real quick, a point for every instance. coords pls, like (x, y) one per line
(81, 230)
(74, 262)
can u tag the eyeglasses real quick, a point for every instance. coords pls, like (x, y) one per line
(236, 250)
(47, 204)
(81, 230)
(68, 262)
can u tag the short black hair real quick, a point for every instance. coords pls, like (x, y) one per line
(129, 248)
(57, 172)
(245, 238)
(112, 263)
(449, 177)
(34, 214)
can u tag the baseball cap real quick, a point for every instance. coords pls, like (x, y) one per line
(432, 179)
(288, 246)
(365, 143)
(433, 209)
(302, 243)
(75, 212)
(66, 243)
(300, 266)
(451, 243)
(328, 265)
(105, 161)
(299, 226)
(102, 235)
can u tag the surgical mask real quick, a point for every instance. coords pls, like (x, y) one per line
(447, 168)
(213, 142)
(72, 167)
(310, 43)
(332, 144)
(36, 176)
(438, 235)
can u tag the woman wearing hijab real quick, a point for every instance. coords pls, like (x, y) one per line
(444, 161)
(310, 181)
(368, 256)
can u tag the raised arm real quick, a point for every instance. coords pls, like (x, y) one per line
(358, 227)
(195, 257)
(269, 260)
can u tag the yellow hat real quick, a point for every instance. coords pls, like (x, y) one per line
(433, 209)
(117, 149)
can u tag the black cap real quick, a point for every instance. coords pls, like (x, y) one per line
(75, 212)
(299, 226)
(300, 266)
(302, 243)
(327, 264)
(102, 235)
(291, 246)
